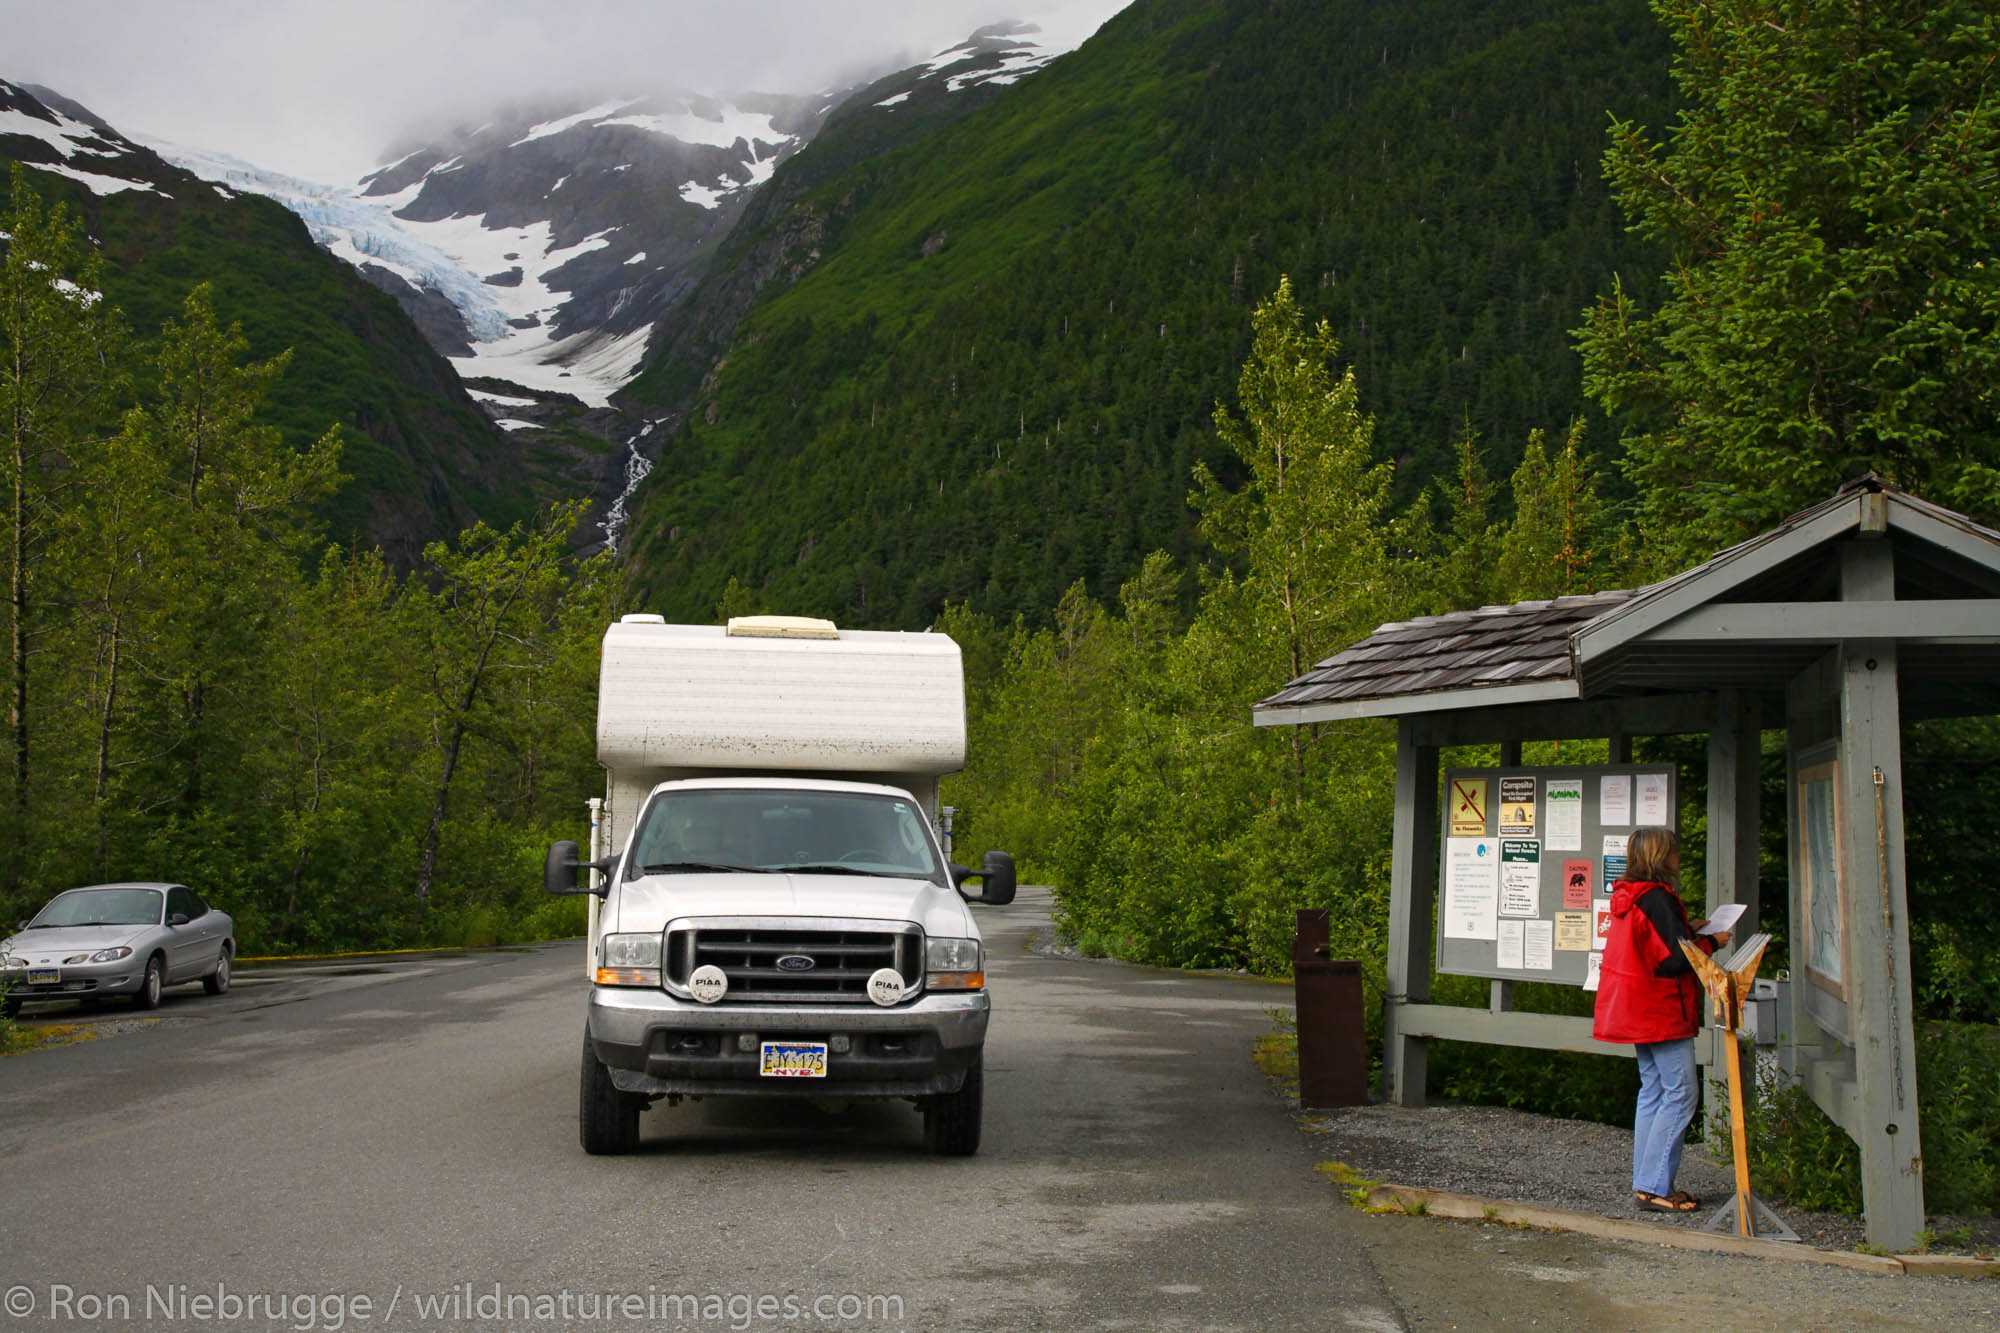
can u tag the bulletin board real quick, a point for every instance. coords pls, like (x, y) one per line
(1527, 860)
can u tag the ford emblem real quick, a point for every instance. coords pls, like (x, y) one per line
(795, 962)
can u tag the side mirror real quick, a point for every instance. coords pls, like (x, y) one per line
(178, 919)
(559, 871)
(996, 876)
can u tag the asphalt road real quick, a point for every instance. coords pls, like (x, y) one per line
(393, 1144)
(352, 1130)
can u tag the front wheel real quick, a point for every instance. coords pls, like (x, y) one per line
(607, 1120)
(217, 982)
(149, 989)
(951, 1120)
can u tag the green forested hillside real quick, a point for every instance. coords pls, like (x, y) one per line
(421, 457)
(983, 363)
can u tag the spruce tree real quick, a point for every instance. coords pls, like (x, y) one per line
(1833, 305)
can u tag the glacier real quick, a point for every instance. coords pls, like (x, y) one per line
(358, 230)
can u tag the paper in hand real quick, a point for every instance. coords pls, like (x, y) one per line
(1725, 918)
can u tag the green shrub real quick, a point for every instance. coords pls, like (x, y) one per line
(553, 919)
(1958, 1082)
(1798, 1153)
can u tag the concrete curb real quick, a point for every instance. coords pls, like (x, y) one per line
(1437, 1203)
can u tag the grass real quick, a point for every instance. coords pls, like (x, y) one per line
(1355, 1186)
(15, 1039)
(1277, 1053)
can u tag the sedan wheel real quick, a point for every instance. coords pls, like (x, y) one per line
(149, 991)
(216, 982)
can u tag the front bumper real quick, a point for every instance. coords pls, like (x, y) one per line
(125, 976)
(655, 1043)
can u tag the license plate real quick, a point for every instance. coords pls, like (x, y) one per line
(793, 1059)
(44, 976)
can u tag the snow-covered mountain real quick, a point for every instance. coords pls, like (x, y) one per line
(994, 56)
(542, 246)
(58, 135)
(545, 245)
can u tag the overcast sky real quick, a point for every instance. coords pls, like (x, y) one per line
(321, 90)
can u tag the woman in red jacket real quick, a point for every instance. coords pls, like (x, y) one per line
(1649, 996)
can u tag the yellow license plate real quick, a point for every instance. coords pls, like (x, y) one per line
(793, 1059)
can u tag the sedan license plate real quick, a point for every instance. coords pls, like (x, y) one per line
(44, 976)
(793, 1059)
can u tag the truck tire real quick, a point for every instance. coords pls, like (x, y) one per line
(607, 1120)
(951, 1120)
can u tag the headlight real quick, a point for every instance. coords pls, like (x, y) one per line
(10, 961)
(954, 964)
(110, 955)
(628, 960)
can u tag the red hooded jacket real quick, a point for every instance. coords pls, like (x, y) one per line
(1648, 990)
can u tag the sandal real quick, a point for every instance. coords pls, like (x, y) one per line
(1680, 1201)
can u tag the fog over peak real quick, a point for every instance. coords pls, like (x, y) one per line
(323, 91)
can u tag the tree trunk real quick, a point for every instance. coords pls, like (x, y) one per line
(17, 660)
(427, 862)
(105, 713)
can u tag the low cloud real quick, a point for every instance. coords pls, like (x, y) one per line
(323, 90)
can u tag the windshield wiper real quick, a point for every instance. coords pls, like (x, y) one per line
(700, 867)
(841, 868)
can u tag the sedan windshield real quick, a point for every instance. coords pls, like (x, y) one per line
(100, 907)
(779, 830)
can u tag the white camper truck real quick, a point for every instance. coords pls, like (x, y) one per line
(779, 917)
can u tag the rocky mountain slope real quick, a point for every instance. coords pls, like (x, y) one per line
(423, 459)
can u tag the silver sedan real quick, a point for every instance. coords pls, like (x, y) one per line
(118, 939)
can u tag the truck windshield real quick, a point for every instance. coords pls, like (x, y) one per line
(777, 830)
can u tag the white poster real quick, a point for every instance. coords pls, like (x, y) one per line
(1600, 918)
(1540, 946)
(1651, 804)
(1614, 800)
(1520, 877)
(1471, 888)
(1509, 952)
(1593, 970)
(1562, 814)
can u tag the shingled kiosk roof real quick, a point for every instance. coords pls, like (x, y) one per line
(1680, 634)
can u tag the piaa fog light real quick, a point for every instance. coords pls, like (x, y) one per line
(886, 986)
(708, 984)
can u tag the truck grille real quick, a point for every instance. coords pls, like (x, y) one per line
(843, 960)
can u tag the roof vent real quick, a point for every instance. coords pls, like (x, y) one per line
(642, 619)
(781, 627)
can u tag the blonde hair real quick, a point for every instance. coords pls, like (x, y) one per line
(1647, 852)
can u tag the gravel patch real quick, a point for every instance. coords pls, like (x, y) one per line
(1522, 1157)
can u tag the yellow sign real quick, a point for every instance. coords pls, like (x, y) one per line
(1573, 931)
(1468, 807)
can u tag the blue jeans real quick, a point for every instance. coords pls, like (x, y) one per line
(1667, 1090)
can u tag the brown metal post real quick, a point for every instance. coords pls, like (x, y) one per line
(1333, 1048)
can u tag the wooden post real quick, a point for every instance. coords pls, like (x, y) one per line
(1412, 900)
(1877, 914)
(1735, 745)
